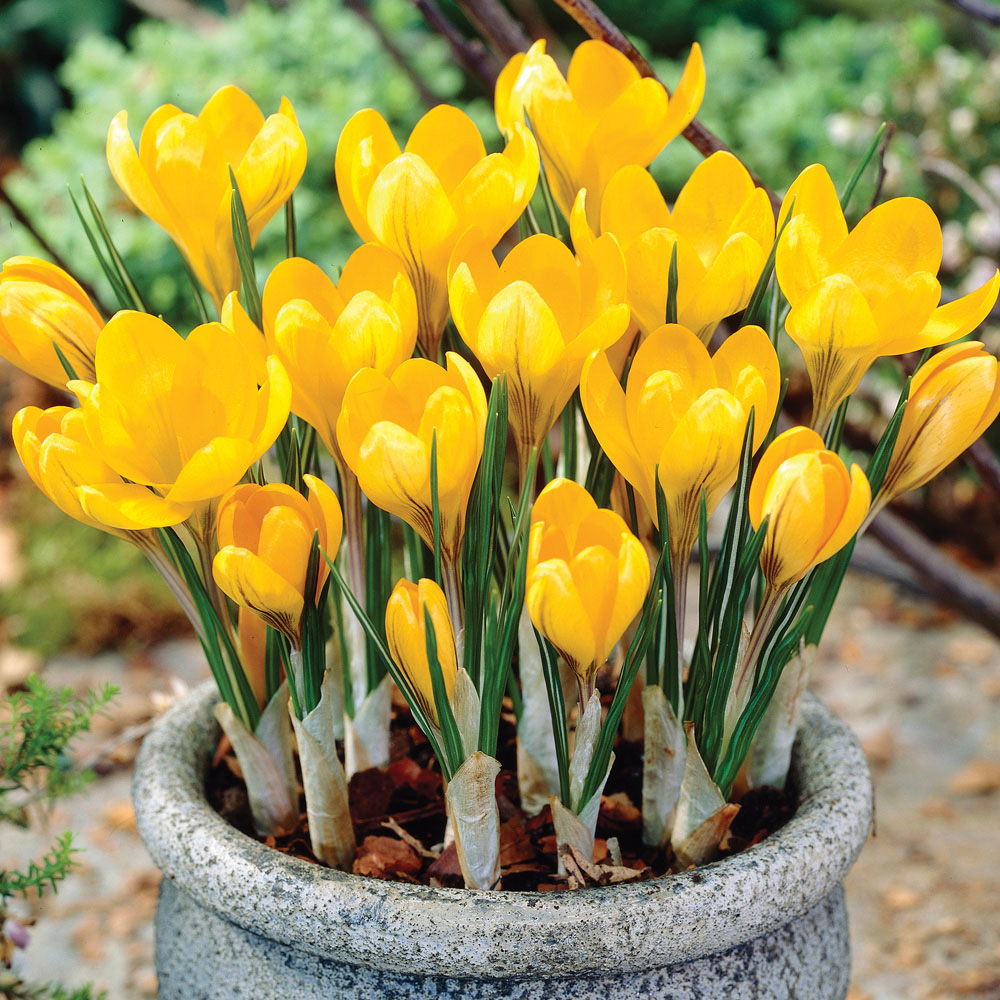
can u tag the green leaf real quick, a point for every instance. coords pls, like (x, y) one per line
(291, 240)
(672, 282)
(557, 710)
(845, 198)
(450, 736)
(64, 361)
(378, 583)
(244, 254)
(754, 314)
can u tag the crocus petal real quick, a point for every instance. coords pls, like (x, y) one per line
(130, 507)
(211, 470)
(632, 203)
(556, 610)
(447, 140)
(951, 321)
(365, 146)
(603, 402)
(252, 584)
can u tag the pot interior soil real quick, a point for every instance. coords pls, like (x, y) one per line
(399, 819)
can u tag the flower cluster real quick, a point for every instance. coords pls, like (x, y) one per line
(271, 462)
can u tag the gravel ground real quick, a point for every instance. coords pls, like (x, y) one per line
(921, 689)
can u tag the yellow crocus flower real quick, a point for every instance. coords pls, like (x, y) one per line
(179, 176)
(265, 537)
(587, 577)
(601, 116)
(61, 461)
(684, 412)
(385, 433)
(814, 506)
(864, 294)
(183, 416)
(536, 317)
(418, 202)
(721, 224)
(325, 332)
(405, 633)
(953, 398)
(41, 305)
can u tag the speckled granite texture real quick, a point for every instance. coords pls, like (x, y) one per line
(237, 920)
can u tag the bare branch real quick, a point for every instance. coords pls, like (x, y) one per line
(470, 52)
(363, 11)
(182, 11)
(951, 583)
(497, 26)
(981, 10)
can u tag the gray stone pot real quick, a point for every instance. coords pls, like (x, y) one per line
(237, 919)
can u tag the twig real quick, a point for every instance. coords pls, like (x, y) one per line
(497, 26)
(470, 52)
(981, 10)
(183, 11)
(597, 24)
(951, 583)
(23, 220)
(986, 463)
(890, 131)
(361, 8)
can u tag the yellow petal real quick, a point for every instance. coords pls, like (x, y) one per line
(727, 285)
(746, 365)
(447, 140)
(132, 176)
(298, 278)
(597, 74)
(891, 242)
(365, 146)
(813, 196)
(794, 441)
(604, 404)
(632, 204)
(253, 585)
(270, 170)
(951, 321)
(630, 593)
(327, 512)
(211, 470)
(556, 610)
(710, 202)
(130, 507)
(852, 516)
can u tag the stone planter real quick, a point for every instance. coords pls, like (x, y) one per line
(237, 919)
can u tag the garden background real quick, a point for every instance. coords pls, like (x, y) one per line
(790, 82)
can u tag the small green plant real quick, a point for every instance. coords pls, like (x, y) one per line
(37, 727)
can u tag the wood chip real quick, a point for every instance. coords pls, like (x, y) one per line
(408, 838)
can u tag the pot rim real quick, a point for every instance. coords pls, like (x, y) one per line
(460, 933)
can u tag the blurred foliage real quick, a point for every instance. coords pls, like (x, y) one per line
(35, 36)
(320, 55)
(80, 589)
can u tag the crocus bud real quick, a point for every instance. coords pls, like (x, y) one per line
(953, 398)
(721, 227)
(535, 318)
(325, 332)
(386, 430)
(813, 504)
(587, 577)
(406, 634)
(265, 538)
